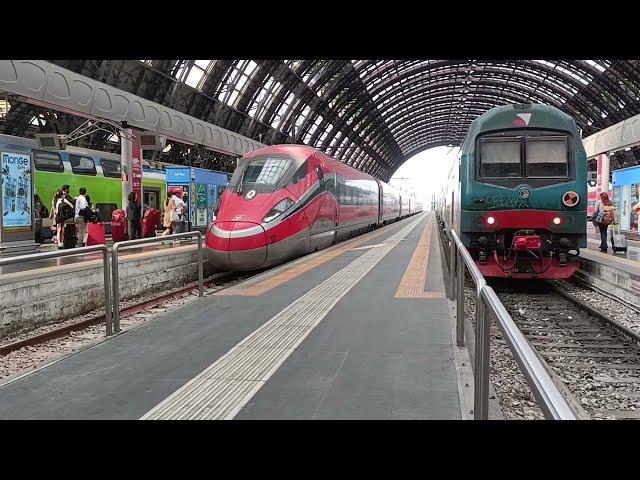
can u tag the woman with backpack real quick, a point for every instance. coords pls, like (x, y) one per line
(604, 216)
(64, 215)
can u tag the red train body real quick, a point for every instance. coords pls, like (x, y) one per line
(288, 200)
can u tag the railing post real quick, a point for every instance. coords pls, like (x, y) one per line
(107, 291)
(460, 300)
(481, 371)
(452, 268)
(115, 291)
(200, 273)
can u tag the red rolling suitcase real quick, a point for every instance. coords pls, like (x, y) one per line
(150, 222)
(96, 234)
(118, 225)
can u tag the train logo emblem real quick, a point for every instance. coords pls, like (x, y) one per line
(570, 199)
(522, 120)
(238, 217)
(250, 194)
(524, 193)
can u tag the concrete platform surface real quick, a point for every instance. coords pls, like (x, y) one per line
(357, 331)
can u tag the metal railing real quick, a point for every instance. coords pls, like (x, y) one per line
(551, 401)
(68, 253)
(131, 243)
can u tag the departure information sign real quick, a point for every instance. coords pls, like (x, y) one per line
(17, 195)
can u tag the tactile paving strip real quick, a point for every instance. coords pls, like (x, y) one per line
(222, 389)
(414, 279)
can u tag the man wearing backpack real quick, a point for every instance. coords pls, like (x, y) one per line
(604, 216)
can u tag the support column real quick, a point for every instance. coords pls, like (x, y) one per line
(126, 155)
(602, 179)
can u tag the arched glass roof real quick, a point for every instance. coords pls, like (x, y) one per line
(375, 114)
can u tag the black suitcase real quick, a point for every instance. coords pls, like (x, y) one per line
(69, 236)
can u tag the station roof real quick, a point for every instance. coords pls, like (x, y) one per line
(372, 115)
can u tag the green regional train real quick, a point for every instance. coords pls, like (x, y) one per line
(99, 172)
(518, 195)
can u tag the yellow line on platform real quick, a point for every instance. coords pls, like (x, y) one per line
(414, 279)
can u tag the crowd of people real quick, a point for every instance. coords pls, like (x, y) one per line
(67, 211)
(79, 212)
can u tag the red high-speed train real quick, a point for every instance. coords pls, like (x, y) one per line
(285, 201)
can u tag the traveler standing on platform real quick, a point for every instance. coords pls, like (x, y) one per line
(66, 190)
(177, 209)
(604, 216)
(134, 213)
(81, 216)
(166, 218)
(52, 214)
(636, 210)
(65, 211)
(37, 216)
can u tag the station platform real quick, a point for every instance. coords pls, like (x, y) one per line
(361, 330)
(41, 267)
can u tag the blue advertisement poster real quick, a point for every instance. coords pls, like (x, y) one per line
(17, 196)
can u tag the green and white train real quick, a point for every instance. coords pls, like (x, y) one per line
(99, 172)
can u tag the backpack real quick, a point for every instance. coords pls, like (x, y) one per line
(65, 212)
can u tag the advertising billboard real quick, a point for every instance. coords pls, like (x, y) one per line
(17, 192)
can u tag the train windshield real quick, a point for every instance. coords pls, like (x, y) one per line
(260, 174)
(500, 158)
(546, 157)
(542, 156)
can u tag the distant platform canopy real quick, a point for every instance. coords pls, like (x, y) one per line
(372, 115)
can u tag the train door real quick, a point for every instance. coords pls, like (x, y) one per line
(151, 198)
(324, 220)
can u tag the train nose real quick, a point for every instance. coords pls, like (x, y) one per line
(236, 245)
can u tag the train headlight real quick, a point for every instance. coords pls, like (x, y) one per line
(557, 220)
(491, 220)
(282, 206)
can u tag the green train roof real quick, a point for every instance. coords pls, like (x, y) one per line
(518, 117)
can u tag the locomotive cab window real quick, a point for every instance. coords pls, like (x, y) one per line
(500, 158)
(546, 157)
(260, 174)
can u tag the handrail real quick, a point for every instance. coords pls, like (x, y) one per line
(32, 257)
(551, 401)
(128, 243)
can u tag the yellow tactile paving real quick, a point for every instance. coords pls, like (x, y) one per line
(415, 276)
(297, 270)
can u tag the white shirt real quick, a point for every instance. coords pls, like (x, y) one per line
(81, 203)
(179, 203)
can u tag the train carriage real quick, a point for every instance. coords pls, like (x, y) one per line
(288, 200)
(518, 196)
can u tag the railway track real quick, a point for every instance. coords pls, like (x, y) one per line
(595, 358)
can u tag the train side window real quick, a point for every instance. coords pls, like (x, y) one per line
(547, 157)
(111, 168)
(300, 174)
(81, 165)
(500, 158)
(48, 161)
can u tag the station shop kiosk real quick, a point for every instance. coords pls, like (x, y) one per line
(200, 189)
